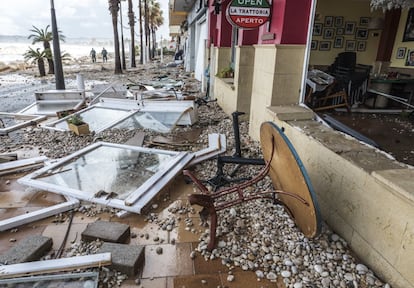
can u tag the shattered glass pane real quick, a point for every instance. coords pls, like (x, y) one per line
(162, 122)
(109, 172)
(75, 280)
(97, 118)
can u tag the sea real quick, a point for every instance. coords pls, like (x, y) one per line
(12, 48)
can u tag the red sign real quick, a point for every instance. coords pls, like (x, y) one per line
(248, 14)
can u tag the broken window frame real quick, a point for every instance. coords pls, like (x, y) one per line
(186, 117)
(12, 222)
(188, 107)
(92, 275)
(52, 125)
(28, 121)
(137, 199)
(55, 265)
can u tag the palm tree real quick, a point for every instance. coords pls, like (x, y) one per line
(141, 51)
(155, 21)
(146, 27)
(45, 36)
(132, 29)
(36, 57)
(114, 8)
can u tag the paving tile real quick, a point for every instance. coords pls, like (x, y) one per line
(165, 265)
(181, 235)
(150, 283)
(201, 266)
(45, 199)
(248, 279)
(57, 233)
(152, 230)
(197, 281)
(13, 212)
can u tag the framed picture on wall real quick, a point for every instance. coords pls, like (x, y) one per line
(361, 45)
(364, 21)
(338, 42)
(409, 27)
(314, 45)
(401, 53)
(339, 21)
(328, 21)
(410, 58)
(328, 33)
(339, 31)
(361, 33)
(317, 29)
(350, 45)
(350, 28)
(324, 45)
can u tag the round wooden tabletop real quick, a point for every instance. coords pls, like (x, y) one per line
(288, 174)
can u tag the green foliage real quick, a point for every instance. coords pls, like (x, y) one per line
(226, 72)
(75, 120)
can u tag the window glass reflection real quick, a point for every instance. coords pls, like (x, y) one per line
(110, 172)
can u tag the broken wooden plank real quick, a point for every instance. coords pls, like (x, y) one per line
(55, 265)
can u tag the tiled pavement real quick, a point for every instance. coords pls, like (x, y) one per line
(173, 268)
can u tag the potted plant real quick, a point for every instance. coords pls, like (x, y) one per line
(226, 72)
(77, 125)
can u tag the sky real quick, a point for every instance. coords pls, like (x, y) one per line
(75, 18)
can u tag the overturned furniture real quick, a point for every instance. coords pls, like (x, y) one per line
(289, 178)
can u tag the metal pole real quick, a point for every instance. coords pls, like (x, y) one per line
(122, 37)
(60, 81)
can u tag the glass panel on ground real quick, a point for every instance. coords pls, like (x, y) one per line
(111, 172)
(97, 118)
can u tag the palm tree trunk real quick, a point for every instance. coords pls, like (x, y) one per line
(141, 59)
(154, 42)
(51, 65)
(41, 67)
(132, 29)
(146, 26)
(114, 7)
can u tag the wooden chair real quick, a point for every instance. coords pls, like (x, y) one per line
(330, 98)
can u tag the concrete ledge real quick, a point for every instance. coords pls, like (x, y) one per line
(365, 195)
(405, 185)
(291, 112)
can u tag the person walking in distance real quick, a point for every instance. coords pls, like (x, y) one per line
(93, 55)
(104, 55)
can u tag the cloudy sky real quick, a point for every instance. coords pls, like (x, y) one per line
(75, 18)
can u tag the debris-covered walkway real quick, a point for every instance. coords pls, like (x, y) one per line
(165, 246)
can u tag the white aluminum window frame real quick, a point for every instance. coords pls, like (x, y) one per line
(52, 125)
(12, 222)
(136, 200)
(28, 121)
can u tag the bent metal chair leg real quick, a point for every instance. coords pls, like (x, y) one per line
(211, 203)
